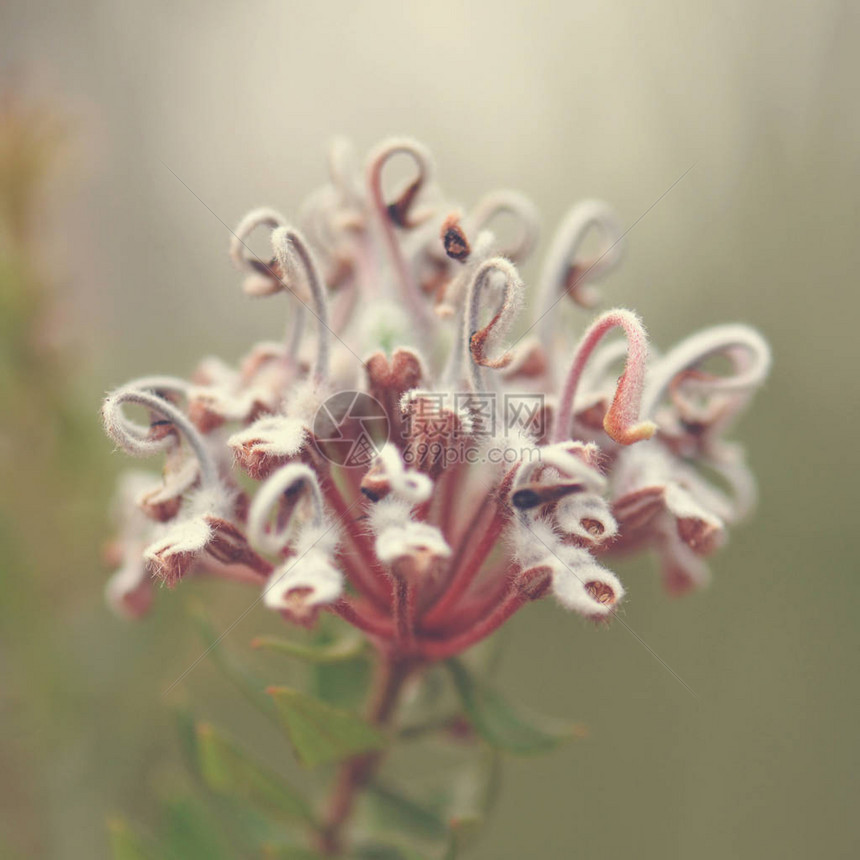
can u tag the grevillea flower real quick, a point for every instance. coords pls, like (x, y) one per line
(418, 457)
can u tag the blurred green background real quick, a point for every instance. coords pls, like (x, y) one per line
(119, 270)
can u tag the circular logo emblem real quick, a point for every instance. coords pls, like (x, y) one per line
(350, 428)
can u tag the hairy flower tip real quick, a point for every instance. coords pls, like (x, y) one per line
(162, 503)
(516, 206)
(502, 275)
(408, 484)
(303, 585)
(532, 543)
(621, 421)
(412, 549)
(268, 444)
(747, 350)
(282, 495)
(534, 582)
(582, 585)
(682, 569)
(171, 424)
(454, 238)
(388, 380)
(241, 397)
(700, 529)
(555, 472)
(400, 210)
(204, 517)
(134, 439)
(174, 553)
(586, 520)
(387, 513)
(656, 492)
(129, 591)
(565, 271)
(263, 278)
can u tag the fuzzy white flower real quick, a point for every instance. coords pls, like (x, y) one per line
(579, 583)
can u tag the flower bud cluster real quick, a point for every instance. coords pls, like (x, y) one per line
(406, 300)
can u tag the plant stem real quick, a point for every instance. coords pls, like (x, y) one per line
(467, 560)
(355, 773)
(444, 648)
(404, 611)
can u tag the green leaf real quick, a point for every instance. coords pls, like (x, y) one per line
(128, 844)
(341, 671)
(401, 812)
(251, 687)
(241, 823)
(321, 733)
(227, 770)
(501, 724)
(335, 652)
(343, 685)
(190, 832)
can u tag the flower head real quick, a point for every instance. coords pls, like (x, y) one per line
(411, 457)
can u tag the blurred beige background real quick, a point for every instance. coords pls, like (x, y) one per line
(560, 100)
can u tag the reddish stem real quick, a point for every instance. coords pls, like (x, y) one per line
(362, 618)
(622, 415)
(466, 570)
(243, 573)
(442, 649)
(475, 607)
(404, 612)
(355, 773)
(450, 486)
(406, 280)
(367, 577)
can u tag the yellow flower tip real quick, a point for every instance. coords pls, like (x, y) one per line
(625, 434)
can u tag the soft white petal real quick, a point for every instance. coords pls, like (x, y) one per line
(582, 585)
(402, 541)
(274, 435)
(185, 536)
(586, 516)
(313, 572)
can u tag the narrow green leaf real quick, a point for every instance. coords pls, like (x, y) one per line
(228, 770)
(341, 671)
(321, 733)
(242, 824)
(396, 809)
(251, 687)
(334, 652)
(343, 685)
(501, 724)
(190, 832)
(127, 844)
